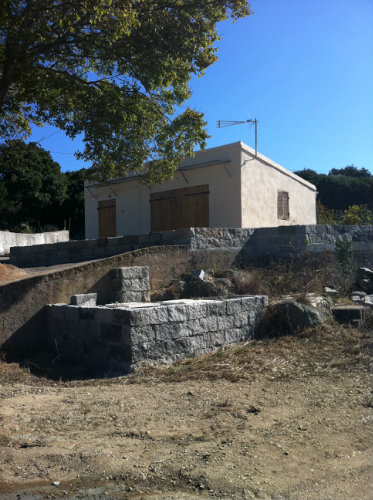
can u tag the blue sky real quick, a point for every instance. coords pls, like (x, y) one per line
(303, 68)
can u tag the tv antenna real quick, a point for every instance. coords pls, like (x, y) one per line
(228, 123)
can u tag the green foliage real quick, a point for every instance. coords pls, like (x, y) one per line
(344, 255)
(112, 70)
(342, 188)
(32, 187)
(72, 209)
(351, 171)
(325, 215)
(357, 215)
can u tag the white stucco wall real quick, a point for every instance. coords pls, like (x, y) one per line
(243, 192)
(261, 180)
(9, 239)
(222, 173)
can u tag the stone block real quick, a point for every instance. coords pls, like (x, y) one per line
(72, 313)
(215, 339)
(130, 272)
(178, 313)
(122, 297)
(148, 316)
(142, 334)
(240, 320)
(225, 322)
(234, 335)
(234, 306)
(217, 308)
(170, 331)
(134, 284)
(120, 352)
(84, 299)
(197, 310)
(208, 324)
(110, 332)
(86, 313)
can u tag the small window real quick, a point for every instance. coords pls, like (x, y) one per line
(283, 205)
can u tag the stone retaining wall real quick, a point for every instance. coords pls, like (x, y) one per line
(112, 340)
(22, 302)
(251, 245)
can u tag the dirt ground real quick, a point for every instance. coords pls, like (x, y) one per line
(10, 273)
(286, 418)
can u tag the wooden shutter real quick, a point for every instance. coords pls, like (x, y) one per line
(187, 207)
(106, 218)
(283, 205)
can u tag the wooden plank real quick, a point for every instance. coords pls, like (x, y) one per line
(194, 206)
(106, 218)
(178, 208)
(163, 211)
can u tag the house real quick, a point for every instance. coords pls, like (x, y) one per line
(225, 186)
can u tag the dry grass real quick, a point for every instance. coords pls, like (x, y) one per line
(329, 350)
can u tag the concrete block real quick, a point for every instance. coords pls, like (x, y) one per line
(84, 299)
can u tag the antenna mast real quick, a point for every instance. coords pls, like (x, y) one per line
(227, 123)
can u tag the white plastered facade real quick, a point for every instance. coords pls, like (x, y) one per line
(243, 189)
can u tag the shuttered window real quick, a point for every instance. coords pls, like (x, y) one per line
(283, 205)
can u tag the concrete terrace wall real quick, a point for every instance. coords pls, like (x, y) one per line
(8, 239)
(112, 340)
(251, 245)
(22, 303)
(85, 250)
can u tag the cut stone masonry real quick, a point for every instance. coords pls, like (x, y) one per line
(113, 339)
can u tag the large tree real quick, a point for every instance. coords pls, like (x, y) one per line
(32, 187)
(112, 70)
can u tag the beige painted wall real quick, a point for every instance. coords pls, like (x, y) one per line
(243, 192)
(261, 180)
(132, 197)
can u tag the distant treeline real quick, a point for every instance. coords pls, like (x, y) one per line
(342, 188)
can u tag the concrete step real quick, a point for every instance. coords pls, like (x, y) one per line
(348, 314)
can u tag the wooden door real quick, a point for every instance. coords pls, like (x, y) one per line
(107, 221)
(194, 206)
(177, 208)
(163, 211)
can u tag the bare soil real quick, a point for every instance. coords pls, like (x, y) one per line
(285, 418)
(9, 273)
